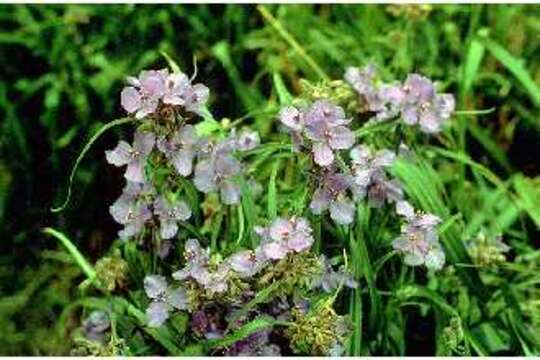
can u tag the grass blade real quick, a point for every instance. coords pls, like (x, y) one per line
(86, 267)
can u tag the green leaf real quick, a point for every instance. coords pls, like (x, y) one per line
(80, 260)
(516, 67)
(528, 191)
(172, 64)
(492, 337)
(257, 324)
(272, 191)
(85, 149)
(248, 207)
(285, 98)
(475, 54)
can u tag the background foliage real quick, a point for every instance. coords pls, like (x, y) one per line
(63, 67)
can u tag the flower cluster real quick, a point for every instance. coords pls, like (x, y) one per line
(416, 101)
(154, 87)
(340, 182)
(283, 242)
(419, 241)
(219, 291)
(324, 124)
(282, 237)
(139, 203)
(177, 145)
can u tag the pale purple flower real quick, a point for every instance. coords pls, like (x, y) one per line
(197, 268)
(330, 279)
(217, 280)
(132, 156)
(247, 263)
(180, 150)
(419, 241)
(175, 87)
(368, 169)
(292, 118)
(284, 236)
(362, 80)
(132, 209)
(196, 263)
(332, 195)
(388, 101)
(95, 326)
(180, 91)
(195, 97)
(383, 99)
(217, 171)
(142, 97)
(164, 299)
(326, 128)
(247, 140)
(169, 215)
(423, 106)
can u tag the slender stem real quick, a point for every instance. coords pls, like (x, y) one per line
(292, 42)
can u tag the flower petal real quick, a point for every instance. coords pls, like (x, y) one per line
(341, 138)
(322, 154)
(320, 201)
(135, 171)
(183, 161)
(157, 313)
(120, 155)
(292, 118)
(130, 99)
(168, 228)
(143, 142)
(178, 298)
(230, 192)
(342, 211)
(155, 286)
(274, 250)
(204, 179)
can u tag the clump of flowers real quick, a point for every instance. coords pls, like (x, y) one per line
(416, 101)
(165, 103)
(155, 88)
(206, 279)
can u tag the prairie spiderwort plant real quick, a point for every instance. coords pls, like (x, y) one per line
(279, 280)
